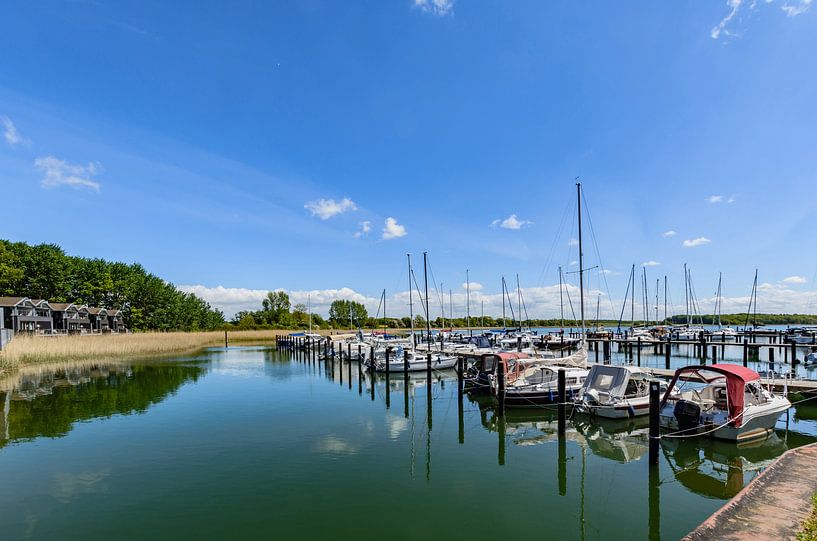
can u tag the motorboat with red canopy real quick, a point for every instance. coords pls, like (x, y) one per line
(724, 401)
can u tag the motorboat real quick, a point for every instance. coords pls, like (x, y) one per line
(534, 381)
(724, 401)
(481, 374)
(616, 392)
(416, 361)
(689, 334)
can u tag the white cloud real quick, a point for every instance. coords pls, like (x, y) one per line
(541, 302)
(393, 230)
(794, 280)
(61, 173)
(650, 263)
(668, 234)
(327, 208)
(10, 132)
(511, 222)
(791, 8)
(796, 7)
(714, 199)
(365, 227)
(436, 7)
(731, 199)
(573, 242)
(700, 241)
(474, 286)
(734, 7)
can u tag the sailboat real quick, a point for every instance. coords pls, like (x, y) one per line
(534, 382)
(401, 358)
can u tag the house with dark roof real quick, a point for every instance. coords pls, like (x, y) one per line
(84, 319)
(99, 319)
(66, 318)
(116, 321)
(21, 314)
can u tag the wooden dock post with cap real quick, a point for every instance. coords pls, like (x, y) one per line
(500, 395)
(655, 404)
(562, 401)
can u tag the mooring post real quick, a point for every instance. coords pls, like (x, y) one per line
(519, 344)
(714, 354)
(745, 351)
(500, 395)
(349, 352)
(388, 380)
(359, 378)
(372, 361)
(771, 355)
(562, 401)
(793, 353)
(405, 385)
(597, 353)
(428, 366)
(562, 466)
(639, 351)
(349, 378)
(225, 338)
(655, 402)
(667, 351)
(460, 410)
(607, 349)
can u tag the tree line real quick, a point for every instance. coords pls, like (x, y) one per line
(147, 302)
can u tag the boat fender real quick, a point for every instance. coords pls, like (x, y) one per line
(630, 411)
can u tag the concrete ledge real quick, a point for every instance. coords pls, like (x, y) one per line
(773, 506)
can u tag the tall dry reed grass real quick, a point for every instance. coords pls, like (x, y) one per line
(27, 350)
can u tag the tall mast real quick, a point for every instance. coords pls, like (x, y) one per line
(468, 302)
(718, 299)
(657, 285)
(385, 321)
(309, 309)
(686, 292)
(581, 256)
(450, 308)
(428, 309)
(665, 298)
(561, 302)
(441, 295)
(518, 302)
(411, 304)
(504, 324)
(632, 299)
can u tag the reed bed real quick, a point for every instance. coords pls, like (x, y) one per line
(29, 350)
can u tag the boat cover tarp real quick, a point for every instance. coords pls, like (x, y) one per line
(736, 379)
(608, 379)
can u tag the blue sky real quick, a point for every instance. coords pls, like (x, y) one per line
(234, 148)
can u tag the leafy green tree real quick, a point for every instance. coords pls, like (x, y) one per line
(342, 311)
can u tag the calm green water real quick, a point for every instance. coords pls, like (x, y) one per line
(250, 444)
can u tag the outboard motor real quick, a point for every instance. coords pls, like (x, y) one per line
(688, 414)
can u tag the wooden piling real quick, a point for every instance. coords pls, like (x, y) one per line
(745, 352)
(225, 338)
(639, 351)
(562, 401)
(500, 395)
(667, 352)
(655, 402)
(460, 410)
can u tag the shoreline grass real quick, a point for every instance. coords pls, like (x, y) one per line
(32, 350)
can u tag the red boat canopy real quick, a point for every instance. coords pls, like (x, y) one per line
(736, 378)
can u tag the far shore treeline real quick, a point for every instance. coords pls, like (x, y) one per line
(277, 313)
(148, 303)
